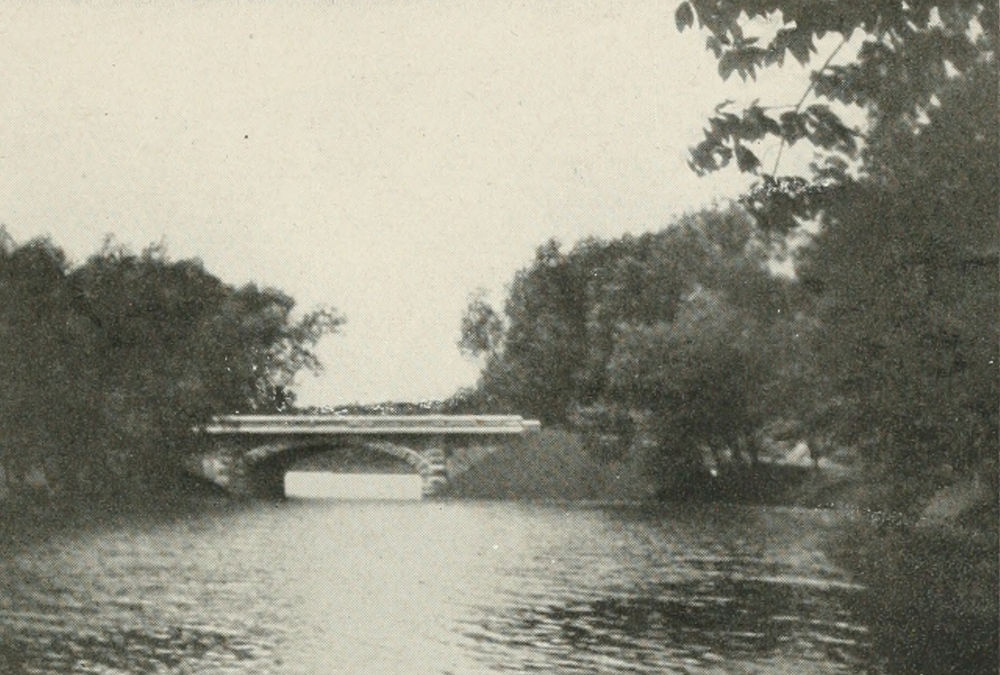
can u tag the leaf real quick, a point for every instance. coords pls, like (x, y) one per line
(723, 126)
(722, 105)
(710, 155)
(747, 59)
(800, 44)
(792, 127)
(727, 64)
(836, 84)
(684, 17)
(722, 155)
(745, 159)
(827, 129)
(713, 43)
(756, 124)
(770, 126)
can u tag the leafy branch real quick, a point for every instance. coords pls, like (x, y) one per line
(805, 95)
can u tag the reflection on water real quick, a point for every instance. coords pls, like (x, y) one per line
(327, 485)
(435, 587)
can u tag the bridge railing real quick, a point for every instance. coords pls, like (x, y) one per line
(370, 424)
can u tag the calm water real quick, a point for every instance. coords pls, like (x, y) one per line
(328, 485)
(428, 587)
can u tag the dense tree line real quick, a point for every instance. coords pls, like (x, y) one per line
(109, 363)
(668, 341)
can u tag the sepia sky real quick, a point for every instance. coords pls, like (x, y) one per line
(385, 158)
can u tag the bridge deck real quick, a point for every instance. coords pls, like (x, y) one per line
(371, 424)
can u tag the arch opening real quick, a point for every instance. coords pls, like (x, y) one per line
(267, 468)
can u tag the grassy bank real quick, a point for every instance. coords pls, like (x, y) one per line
(555, 464)
(552, 464)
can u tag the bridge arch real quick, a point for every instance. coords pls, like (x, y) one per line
(263, 466)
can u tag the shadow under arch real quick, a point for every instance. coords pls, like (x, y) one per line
(265, 465)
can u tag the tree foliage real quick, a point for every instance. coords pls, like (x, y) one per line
(482, 327)
(905, 53)
(657, 341)
(886, 339)
(694, 384)
(905, 278)
(111, 362)
(903, 271)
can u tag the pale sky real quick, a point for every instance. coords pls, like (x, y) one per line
(384, 158)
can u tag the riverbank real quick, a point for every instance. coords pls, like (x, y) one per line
(555, 464)
(35, 515)
(933, 600)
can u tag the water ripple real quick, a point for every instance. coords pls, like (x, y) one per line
(434, 588)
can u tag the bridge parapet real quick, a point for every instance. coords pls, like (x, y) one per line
(371, 424)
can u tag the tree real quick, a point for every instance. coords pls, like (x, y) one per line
(694, 386)
(543, 343)
(905, 241)
(482, 327)
(905, 276)
(175, 345)
(41, 344)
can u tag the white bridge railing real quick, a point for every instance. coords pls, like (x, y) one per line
(370, 424)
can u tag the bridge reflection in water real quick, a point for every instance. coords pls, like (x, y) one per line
(328, 485)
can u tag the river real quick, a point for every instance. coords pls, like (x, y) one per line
(433, 587)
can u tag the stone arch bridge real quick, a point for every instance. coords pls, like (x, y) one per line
(248, 455)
